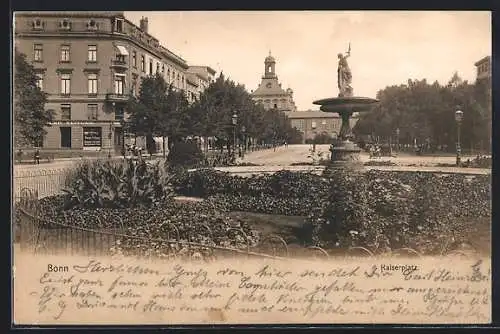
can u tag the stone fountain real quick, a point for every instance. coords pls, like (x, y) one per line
(345, 153)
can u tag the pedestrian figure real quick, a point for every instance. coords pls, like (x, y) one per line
(19, 155)
(37, 156)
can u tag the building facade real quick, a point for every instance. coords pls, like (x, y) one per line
(312, 123)
(199, 78)
(269, 93)
(89, 63)
(483, 73)
(483, 67)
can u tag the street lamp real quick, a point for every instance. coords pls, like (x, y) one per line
(110, 136)
(397, 139)
(243, 131)
(313, 126)
(458, 118)
(235, 122)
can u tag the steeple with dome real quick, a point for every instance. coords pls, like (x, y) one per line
(269, 92)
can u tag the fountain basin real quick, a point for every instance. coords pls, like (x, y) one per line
(342, 104)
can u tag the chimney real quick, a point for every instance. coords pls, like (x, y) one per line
(144, 24)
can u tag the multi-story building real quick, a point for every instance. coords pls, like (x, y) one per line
(89, 63)
(270, 93)
(483, 74)
(193, 84)
(199, 78)
(312, 123)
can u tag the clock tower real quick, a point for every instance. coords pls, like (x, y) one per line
(269, 93)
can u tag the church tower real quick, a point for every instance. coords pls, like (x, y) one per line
(270, 67)
(269, 93)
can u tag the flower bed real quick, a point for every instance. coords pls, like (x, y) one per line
(378, 210)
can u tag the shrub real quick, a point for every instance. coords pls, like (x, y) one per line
(282, 184)
(117, 184)
(387, 210)
(186, 154)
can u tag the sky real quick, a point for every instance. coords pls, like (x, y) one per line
(387, 47)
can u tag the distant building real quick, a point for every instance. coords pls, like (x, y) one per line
(312, 123)
(483, 73)
(199, 78)
(483, 68)
(269, 93)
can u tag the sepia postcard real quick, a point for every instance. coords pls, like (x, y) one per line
(251, 167)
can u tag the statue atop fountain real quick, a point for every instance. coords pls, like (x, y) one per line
(345, 153)
(344, 75)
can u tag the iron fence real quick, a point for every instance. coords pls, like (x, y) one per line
(46, 182)
(39, 236)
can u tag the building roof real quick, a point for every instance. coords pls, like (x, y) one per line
(191, 79)
(275, 89)
(201, 71)
(482, 61)
(72, 13)
(205, 68)
(137, 33)
(313, 114)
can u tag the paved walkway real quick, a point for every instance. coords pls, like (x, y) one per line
(284, 156)
(276, 159)
(249, 170)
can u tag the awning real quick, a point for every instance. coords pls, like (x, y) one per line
(122, 50)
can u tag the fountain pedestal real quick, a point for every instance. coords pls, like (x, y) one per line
(345, 153)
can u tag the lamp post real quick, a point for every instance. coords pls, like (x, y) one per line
(110, 136)
(235, 123)
(313, 126)
(243, 131)
(397, 140)
(458, 118)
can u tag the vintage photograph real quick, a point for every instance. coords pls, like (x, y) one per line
(251, 167)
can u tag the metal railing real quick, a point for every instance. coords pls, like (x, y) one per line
(45, 182)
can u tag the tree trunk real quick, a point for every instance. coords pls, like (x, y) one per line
(205, 143)
(163, 142)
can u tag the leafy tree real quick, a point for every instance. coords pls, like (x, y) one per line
(174, 120)
(159, 110)
(211, 116)
(426, 112)
(30, 116)
(145, 110)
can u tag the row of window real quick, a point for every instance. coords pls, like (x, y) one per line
(160, 68)
(324, 124)
(483, 68)
(92, 79)
(92, 112)
(93, 84)
(64, 24)
(273, 100)
(64, 53)
(65, 57)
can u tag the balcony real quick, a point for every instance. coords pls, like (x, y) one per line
(119, 64)
(117, 98)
